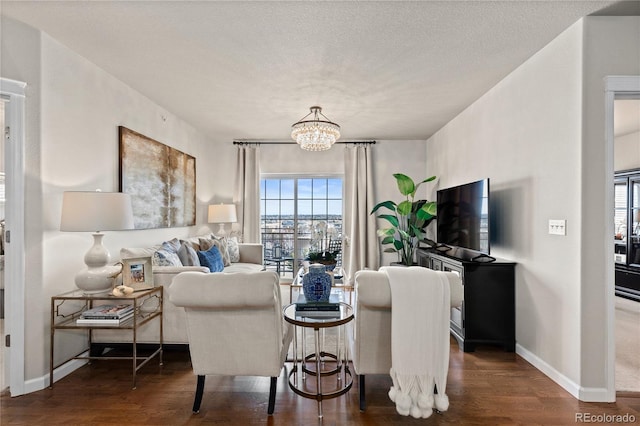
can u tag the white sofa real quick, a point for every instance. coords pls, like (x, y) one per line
(174, 319)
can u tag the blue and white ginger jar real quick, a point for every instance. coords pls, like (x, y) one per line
(316, 284)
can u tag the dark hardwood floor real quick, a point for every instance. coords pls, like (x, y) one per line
(488, 387)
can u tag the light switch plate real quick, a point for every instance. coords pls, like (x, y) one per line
(557, 227)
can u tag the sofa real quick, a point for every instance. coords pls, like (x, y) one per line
(248, 258)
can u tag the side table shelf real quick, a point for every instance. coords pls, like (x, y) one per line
(66, 308)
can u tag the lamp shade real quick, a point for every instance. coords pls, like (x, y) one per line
(222, 213)
(96, 211)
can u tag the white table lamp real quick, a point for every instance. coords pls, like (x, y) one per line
(84, 211)
(222, 213)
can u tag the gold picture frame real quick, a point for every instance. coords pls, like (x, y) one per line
(137, 273)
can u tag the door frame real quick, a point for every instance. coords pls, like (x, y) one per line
(14, 92)
(616, 87)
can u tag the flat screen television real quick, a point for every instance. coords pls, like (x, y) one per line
(463, 216)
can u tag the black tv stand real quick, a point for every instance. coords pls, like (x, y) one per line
(487, 314)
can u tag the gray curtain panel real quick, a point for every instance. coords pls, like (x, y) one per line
(361, 249)
(247, 193)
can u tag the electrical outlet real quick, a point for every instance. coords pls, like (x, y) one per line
(557, 227)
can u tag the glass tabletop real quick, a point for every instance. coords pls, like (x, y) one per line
(318, 318)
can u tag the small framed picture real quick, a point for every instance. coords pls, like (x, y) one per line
(137, 273)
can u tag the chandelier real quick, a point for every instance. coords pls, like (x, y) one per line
(317, 133)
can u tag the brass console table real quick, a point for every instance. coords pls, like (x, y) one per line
(66, 308)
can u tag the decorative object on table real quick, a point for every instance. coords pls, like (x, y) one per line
(221, 214)
(84, 211)
(137, 273)
(317, 133)
(160, 179)
(328, 308)
(322, 250)
(106, 315)
(122, 290)
(409, 220)
(316, 284)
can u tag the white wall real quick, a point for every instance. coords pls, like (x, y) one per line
(527, 135)
(611, 47)
(73, 112)
(627, 152)
(524, 134)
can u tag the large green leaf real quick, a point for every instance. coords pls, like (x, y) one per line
(405, 184)
(390, 218)
(427, 211)
(398, 244)
(385, 232)
(404, 208)
(387, 240)
(390, 250)
(387, 204)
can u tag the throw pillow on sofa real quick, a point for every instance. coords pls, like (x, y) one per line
(187, 254)
(234, 249)
(166, 256)
(221, 243)
(212, 259)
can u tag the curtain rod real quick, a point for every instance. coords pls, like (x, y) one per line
(275, 142)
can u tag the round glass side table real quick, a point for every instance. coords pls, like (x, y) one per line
(316, 363)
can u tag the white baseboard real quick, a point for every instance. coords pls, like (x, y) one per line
(42, 382)
(579, 392)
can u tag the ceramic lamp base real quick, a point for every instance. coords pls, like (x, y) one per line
(97, 280)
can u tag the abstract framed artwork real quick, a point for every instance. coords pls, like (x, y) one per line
(160, 179)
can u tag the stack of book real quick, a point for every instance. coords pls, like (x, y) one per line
(330, 309)
(106, 315)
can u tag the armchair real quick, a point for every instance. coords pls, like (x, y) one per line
(234, 325)
(370, 334)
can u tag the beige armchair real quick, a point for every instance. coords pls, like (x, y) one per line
(370, 333)
(235, 325)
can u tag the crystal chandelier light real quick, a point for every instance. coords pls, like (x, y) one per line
(317, 133)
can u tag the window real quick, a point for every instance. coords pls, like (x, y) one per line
(291, 208)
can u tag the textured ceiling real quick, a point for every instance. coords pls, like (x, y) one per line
(248, 70)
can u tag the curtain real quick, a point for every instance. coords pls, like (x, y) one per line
(361, 246)
(247, 193)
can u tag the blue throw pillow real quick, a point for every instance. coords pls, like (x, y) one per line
(212, 259)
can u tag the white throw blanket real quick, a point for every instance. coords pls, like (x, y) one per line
(420, 312)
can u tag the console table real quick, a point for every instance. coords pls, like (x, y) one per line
(487, 314)
(66, 308)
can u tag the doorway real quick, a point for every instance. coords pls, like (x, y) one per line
(12, 95)
(616, 87)
(3, 384)
(626, 165)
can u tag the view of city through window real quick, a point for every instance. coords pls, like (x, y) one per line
(292, 210)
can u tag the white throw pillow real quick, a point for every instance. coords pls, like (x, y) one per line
(234, 249)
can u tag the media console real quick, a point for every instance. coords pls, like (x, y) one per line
(487, 314)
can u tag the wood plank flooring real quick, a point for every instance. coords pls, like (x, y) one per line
(488, 387)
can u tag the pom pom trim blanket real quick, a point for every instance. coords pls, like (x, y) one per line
(420, 313)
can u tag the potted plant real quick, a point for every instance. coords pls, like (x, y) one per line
(408, 220)
(320, 252)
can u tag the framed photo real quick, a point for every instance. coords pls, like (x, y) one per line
(137, 273)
